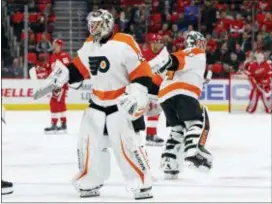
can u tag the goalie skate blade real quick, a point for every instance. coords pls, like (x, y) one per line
(89, 194)
(201, 168)
(142, 198)
(156, 144)
(6, 191)
(170, 176)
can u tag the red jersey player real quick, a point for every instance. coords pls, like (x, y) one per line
(57, 101)
(150, 53)
(41, 69)
(259, 75)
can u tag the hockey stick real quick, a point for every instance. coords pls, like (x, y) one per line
(266, 94)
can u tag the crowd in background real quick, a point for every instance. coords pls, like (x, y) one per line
(40, 26)
(232, 30)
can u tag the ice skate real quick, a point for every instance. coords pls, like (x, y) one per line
(144, 193)
(51, 130)
(154, 140)
(62, 129)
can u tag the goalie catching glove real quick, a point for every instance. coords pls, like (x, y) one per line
(56, 80)
(134, 102)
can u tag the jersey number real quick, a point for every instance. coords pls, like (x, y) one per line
(99, 64)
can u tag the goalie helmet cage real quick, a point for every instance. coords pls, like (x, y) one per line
(239, 91)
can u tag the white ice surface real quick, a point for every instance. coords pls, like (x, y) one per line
(42, 166)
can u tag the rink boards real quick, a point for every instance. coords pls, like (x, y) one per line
(18, 95)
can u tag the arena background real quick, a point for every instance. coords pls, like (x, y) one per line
(235, 29)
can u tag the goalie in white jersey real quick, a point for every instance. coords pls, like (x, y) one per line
(120, 82)
(178, 95)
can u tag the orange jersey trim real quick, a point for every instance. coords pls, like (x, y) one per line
(109, 95)
(85, 171)
(157, 79)
(128, 39)
(84, 71)
(143, 70)
(138, 171)
(89, 39)
(179, 85)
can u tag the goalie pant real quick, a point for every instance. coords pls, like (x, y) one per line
(104, 127)
(260, 90)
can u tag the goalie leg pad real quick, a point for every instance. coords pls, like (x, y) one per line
(129, 151)
(196, 155)
(93, 156)
(171, 158)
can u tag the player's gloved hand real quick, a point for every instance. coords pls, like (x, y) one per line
(154, 107)
(58, 77)
(134, 102)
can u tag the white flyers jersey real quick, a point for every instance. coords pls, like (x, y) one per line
(188, 79)
(111, 66)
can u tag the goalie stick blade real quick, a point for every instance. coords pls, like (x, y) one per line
(43, 91)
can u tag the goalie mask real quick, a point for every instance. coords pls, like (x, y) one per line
(100, 24)
(195, 39)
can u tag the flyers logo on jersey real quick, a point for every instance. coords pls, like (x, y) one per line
(99, 64)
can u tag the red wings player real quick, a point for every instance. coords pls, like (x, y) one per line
(41, 69)
(57, 101)
(150, 53)
(259, 75)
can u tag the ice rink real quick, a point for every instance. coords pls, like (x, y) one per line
(42, 166)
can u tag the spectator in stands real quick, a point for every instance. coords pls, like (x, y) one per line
(208, 19)
(181, 21)
(219, 32)
(246, 42)
(44, 46)
(224, 56)
(234, 62)
(174, 31)
(125, 17)
(39, 26)
(266, 37)
(17, 21)
(32, 43)
(6, 71)
(17, 69)
(165, 30)
(191, 14)
(240, 54)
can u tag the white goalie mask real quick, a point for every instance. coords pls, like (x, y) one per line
(100, 24)
(195, 39)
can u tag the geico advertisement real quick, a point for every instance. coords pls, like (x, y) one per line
(218, 92)
(21, 91)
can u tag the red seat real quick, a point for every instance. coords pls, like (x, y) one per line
(32, 57)
(42, 7)
(45, 1)
(17, 17)
(174, 17)
(33, 17)
(156, 17)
